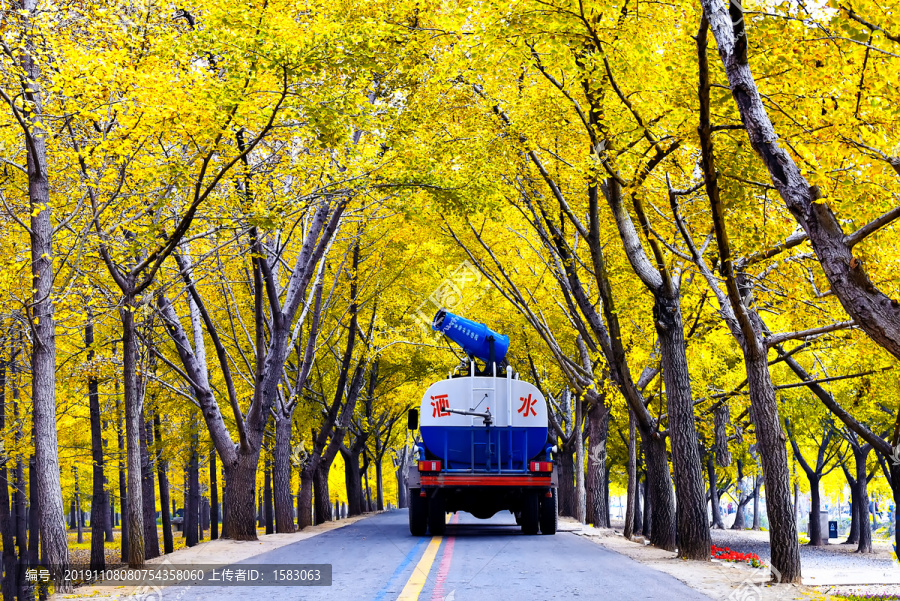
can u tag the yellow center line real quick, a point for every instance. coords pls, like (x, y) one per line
(416, 581)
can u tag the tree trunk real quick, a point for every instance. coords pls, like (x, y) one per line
(99, 498)
(22, 585)
(579, 463)
(260, 512)
(6, 519)
(638, 504)
(192, 502)
(631, 468)
(214, 496)
(815, 527)
(162, 468)
(379, 484)
(204, 514)
(647, 526)
(771, 440)
(79, 522)
(693, 532)
(853, 533)
(402, 474)
(757, 484)
(714, 492)
(284, 514)
(133, 512)
(123, 480)
(353, 481)
(34, 514)
(305, 499)
(267, 496)
(597, 499)
(148, 494)
(54, 541)
(320, 493)
(862, 501)
(240, 498)
(365, 472)
(662, 503)
(566, 464)
(743, 499)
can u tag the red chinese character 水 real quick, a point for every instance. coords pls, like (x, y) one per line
(527, 405)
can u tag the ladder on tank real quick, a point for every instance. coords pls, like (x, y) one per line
(490, 392)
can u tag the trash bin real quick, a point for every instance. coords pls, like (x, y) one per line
(832, 529)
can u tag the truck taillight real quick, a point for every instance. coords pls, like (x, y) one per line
(541, 466)
(429, 466)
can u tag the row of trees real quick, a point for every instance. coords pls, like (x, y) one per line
(220, 223)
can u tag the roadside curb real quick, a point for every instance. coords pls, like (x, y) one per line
(717, 579)
(221, 551)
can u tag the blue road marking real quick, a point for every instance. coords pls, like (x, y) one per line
(379, 596)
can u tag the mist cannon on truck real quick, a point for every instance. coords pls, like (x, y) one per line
(483, 443)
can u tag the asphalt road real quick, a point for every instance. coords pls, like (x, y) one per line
(480, 560)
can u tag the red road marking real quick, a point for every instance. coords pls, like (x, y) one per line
(437, 594)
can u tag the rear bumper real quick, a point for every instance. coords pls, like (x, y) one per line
(454, 480)
(475, 479)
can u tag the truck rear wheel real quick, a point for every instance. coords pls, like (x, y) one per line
(437, 518)
(530, 510)
(418, 513)
(549, 518)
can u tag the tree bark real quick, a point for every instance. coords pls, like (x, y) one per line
(21, 525)
(99, 497)
(379, 486)
(34, 514)
(54, 542)
(662, 503)
(714, 491)
(240, 498)
(123, 480)
(757, 484)
(267, 496)
(764, 413)
(148, 484)
(21, 522)
(743, 499)
(693, 532)
(647, 527)
(815, 504)
(8, 586)
(853, 534)
(579, 463)
(322, 505)
(305, 500)
(191, 522)
(597, 498)
(862, 500)
(631, 468)
(76, 504)
(565, 462)
(162, 467)
(638, 506)
(214, 496)
(133, 511)
(353, 481)
(747, 328)
(284, 514)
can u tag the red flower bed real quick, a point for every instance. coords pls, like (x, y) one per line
(726, 554)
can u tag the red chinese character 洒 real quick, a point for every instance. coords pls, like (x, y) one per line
(439, 405)
(527, 405)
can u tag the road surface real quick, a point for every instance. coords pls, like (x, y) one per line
(376, 559)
